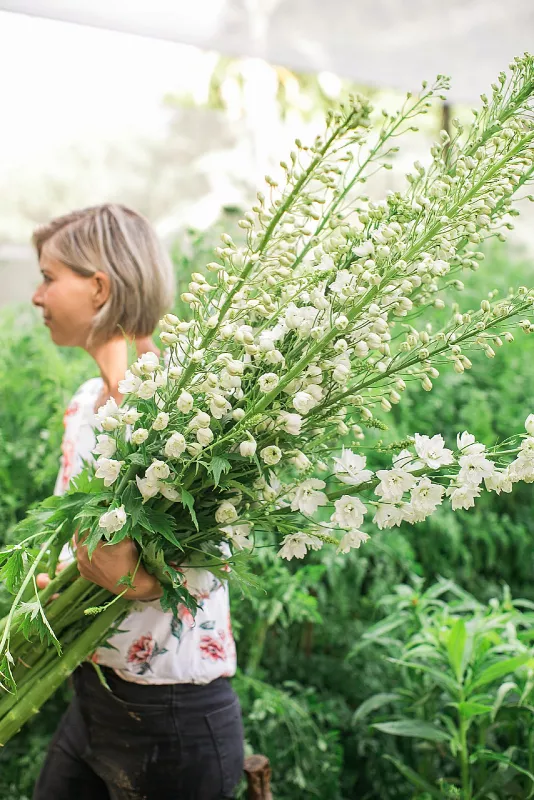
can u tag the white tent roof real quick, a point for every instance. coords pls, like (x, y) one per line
(392, 43)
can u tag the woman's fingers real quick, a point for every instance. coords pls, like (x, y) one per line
(42, 580)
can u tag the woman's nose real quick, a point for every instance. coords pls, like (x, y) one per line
(37, 298)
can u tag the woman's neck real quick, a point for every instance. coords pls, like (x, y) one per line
(112, 360)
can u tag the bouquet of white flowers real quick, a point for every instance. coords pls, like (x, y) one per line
(299, 338)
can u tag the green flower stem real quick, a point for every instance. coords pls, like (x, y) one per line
(464, 760)
(33, 698)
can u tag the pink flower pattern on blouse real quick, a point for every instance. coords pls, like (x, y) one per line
(150, 645)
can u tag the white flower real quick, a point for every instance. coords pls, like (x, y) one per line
(175, 446)
(147, 390)
(108, 415)
(130, 383)
(204, 436)
(467, 445)
(145, 364)
(522, 469)
(113, 520)
(343, 286)
(307, 497)
(200, 420)
(499, 482)
(300, 461)
(350, 468)
(225, 513)
(147, 487)
(219, 406)
(474, 468)
(108, 469)
(106, 446)
(185, 402)
(271, 455)
(407, 461)
(463, 496)
(290, 423)
(161, 421)
(158, 470)
(194, 449)
(238, 535)
(529, 424)
(295, 545)
(130, 416)
(349, 512)
(248, 447)
(303, 402)
(432, 451)
(387, 516)
(139, 436)
(170, 492)
(268, 382)
(393, 483)
(426, 496)
(352, 539)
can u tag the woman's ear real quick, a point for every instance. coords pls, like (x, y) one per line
(101, 289)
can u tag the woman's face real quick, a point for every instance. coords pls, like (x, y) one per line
(69, 301)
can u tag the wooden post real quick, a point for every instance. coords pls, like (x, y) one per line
(258, 772)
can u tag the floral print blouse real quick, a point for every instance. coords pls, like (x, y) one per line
(150, 645)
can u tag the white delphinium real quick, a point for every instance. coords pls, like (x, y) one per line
(300, 461)
(105, 446)
(204, 436)
(112, 521)
(271, 455)
(139, 436)
(147, 389)
(463, 496)
(146, 364)
(148, 488)
(175, 445)
(349, 513)
(308, 496)
(474, 468)
(130, 383)
(268, 382)
(351, 540)
(290, 423)
(296, 545)
(226, 512)
(388, 515)
(248, 447)
(129, 416)
(239, 535)
(499, 481)
(158, 470)
(393, 483)
(350, 468)
(185, 402)
(108, 415)
(108, 469)
(432, 451)
(426, 496)
(161, 421)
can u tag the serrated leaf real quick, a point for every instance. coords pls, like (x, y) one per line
(413, 728)
(136, 458)
(217, 466)
(189, 502)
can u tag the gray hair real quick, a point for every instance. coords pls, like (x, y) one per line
(120, 242)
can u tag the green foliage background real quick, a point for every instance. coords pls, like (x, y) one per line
(301, 677)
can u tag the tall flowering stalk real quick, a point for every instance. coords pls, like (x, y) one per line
(299, 337)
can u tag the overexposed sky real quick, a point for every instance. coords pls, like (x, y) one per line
(60, 82)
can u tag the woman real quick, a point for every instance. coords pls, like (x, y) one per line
(169, 724)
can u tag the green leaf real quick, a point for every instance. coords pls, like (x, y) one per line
(489, 755)
(413, 728)
(372, 703)
(137, 458)
(160, 523)
(132, 501)
(456, 647)
(500, 669)
(189, 501)
(414, 778)
(217, 467)
(468, 709)
(439, 677)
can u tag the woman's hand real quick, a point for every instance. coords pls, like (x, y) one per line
(110, 562)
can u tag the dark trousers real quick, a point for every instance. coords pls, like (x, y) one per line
(172, 742)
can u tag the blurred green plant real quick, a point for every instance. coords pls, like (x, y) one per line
(461, 693)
